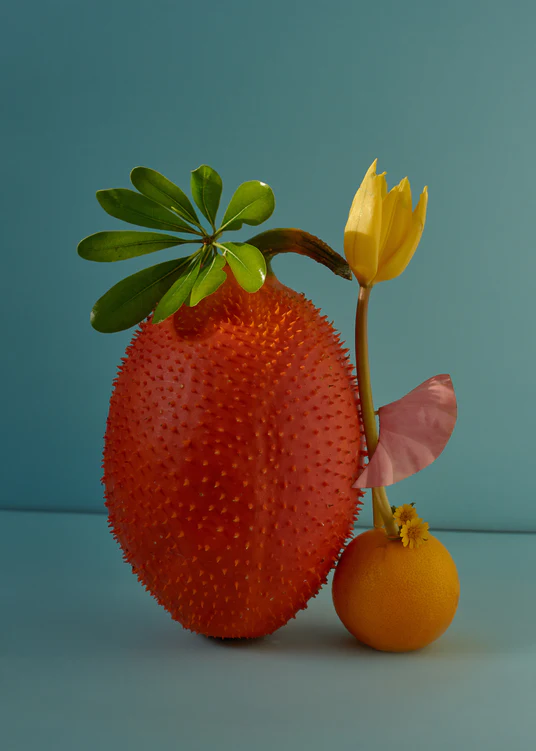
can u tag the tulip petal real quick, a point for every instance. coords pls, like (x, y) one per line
(397, 262)
(396, 219)
(362, 232)
(413, 432)
(383, 185)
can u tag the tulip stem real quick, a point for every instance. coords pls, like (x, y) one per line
(380, 502)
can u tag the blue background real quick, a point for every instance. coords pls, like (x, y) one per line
(302, 95)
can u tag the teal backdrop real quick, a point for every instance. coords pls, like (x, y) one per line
(303, 95)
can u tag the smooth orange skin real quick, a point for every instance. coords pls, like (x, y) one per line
(392, 598)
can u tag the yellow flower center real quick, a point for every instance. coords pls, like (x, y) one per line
(414, 533)
(405, 513)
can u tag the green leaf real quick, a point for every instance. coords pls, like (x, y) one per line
(133, 298)
(157, 187)
(206, 186)
(290, 240)
(177, 294)
(247, 264)
(252, 203)
(210, 278)
(118, 246)
(131, 207)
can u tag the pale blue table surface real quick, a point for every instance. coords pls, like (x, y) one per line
(90, 662)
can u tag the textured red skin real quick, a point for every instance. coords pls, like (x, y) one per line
(233, 440)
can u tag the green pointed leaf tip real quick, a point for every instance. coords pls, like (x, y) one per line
(132, 299)
(155, 186)
(177, 294)
(206, 186)
(119, 246)
(133, 208)
(252, 203)
(247, 264)
(210, 278)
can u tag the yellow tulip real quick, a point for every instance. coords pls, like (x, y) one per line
(382, 232)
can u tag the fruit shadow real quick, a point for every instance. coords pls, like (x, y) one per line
(134, 625)
(317, 639)
(313, 639)
(307, 637)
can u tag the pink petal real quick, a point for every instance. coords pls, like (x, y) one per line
(413, 432)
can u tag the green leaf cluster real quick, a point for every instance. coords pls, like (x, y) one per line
(159, 204)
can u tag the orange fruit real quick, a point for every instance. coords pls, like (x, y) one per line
(393, 598)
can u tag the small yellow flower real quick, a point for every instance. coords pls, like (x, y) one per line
(414, 533)
(382, 232)
(404, 514)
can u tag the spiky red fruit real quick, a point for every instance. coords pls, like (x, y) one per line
(232, 444)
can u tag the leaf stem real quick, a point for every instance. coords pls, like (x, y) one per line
(381, 507)
(203, 230)
(200, 229)
(221, 229)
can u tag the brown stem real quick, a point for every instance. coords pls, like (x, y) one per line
(291, 240)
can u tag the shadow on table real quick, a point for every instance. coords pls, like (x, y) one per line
(129, 626)
(332, 639)
(151, 630)
(313, 639)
